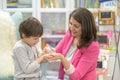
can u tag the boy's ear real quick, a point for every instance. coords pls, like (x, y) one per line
(23, 35)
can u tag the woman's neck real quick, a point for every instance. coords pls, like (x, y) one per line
(75, 42)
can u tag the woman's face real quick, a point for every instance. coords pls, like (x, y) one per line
(75, 27)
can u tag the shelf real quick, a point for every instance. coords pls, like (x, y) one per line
(20, 9)
(18, 3)
(60, 10)
(52, 41)
(55, 19)
(101, 72)
(52, 36)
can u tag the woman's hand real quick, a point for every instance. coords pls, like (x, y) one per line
(44, 57)
(53, 56)
(56, 56)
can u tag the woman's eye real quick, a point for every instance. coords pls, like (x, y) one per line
(76, 26)
(70, 23)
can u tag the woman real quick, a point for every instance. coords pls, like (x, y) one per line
(79, 49)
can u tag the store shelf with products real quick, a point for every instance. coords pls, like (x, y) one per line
(18, 3)
(19, 10)
(54, 15)
(87, 3)
(57, 15)
(25, 7)
(107, 23)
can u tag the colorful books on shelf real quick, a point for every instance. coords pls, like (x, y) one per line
(53, 3)
(19, 4)
(87, 3)
(80, 3)
(54, 23)
(12, 5)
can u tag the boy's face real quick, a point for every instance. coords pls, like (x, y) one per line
(31, 41)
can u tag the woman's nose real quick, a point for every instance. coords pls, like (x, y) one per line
(72, 26)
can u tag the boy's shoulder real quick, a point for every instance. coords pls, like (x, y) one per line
(18, 44)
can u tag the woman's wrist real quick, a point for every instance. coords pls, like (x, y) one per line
(70, 70)
(61, 58)
(65, 62)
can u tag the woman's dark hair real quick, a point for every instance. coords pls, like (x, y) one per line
(88, 27)
(31, 27)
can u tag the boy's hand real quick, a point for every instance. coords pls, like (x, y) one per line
(42, 58)
(41, 53)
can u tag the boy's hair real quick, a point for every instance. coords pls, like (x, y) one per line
(31, 27)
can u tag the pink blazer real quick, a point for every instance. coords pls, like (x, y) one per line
(84, 60)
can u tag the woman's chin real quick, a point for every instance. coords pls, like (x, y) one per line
(73, 35)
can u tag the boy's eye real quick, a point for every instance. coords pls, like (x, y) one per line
(36, 38)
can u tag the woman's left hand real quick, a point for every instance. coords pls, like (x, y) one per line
(53, 56)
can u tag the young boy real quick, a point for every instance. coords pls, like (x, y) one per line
(25, 53)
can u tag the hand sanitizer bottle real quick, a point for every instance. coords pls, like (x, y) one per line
(44, 65)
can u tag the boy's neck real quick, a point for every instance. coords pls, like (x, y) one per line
(24, 41)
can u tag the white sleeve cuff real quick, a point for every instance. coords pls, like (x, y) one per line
(70, 70)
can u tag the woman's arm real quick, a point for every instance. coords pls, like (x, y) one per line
(86, 64)
(56, 56)
(67, 66)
